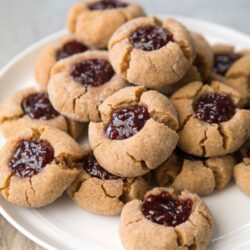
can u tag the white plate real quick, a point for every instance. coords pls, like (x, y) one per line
(63, 225)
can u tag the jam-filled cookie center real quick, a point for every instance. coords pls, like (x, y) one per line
(93, 72)
(38, 106)
(223, 61)
(126, 122)
(150, 38)
(214, 107)
(107, 4)
(70, 48)
(30, 157)
(93, 168)
(165, 210)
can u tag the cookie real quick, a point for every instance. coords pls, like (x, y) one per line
(137, 132)
(60, 49)
(79, 84)
(211, 120)
(233, 68)
(37, 166)
(195, 174)
(31, 108)
(166, 220)
(94, 22)
(192, 75)
(152, 53)
(101, 192)
(242, 170)
(204, 59)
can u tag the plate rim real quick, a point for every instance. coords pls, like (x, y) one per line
(29, 49)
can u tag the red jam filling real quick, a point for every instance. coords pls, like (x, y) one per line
(93, 72)
(126, 122)
(165, 210)
(150, 38)
(30, 157)
(214, 107)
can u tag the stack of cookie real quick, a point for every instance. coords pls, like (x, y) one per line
(164, 108)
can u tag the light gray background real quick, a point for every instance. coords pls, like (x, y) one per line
(23, 22)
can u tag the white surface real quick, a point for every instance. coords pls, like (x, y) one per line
(63, 225)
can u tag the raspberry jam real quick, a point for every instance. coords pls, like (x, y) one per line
(107, 4)
(69, 49)
(165, 210)
(93, 168)
(30, 157)
(126, 122)
(214, 107)
(93, 72)
(150, 38)
(38, 106)
(222, 62)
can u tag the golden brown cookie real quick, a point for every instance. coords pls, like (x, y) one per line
(192, 75)
(37, 166)
(204, 59)
(152, 53)
(166, 220)
(101, 192)
(95, 21)
(195, 174)
(31, 108)
(50, 54)
(242, 170)
(211, 120)
(137, 132)
(79, 84)
(233, 68)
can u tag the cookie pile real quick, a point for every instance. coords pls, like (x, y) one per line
(165, 110)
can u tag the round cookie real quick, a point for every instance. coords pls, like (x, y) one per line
(79, 84)
(233, 68)
(152, 53)
(204, 59)
(192, 75)
(211, 120)
(36, 167)
(60, 49)
(242, 170)
(94, 22)
(195, 174)
(166, 220)
(31, 108)
(101, 192)
(137, 132)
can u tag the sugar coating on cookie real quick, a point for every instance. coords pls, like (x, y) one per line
(137, 132)
(31, 108)
(79, 84)
(152, 53)
(211, 120)
(36, 167)
(94, 22)
(166, 219)
(50, 54)
(195, 174)
(100, 192)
